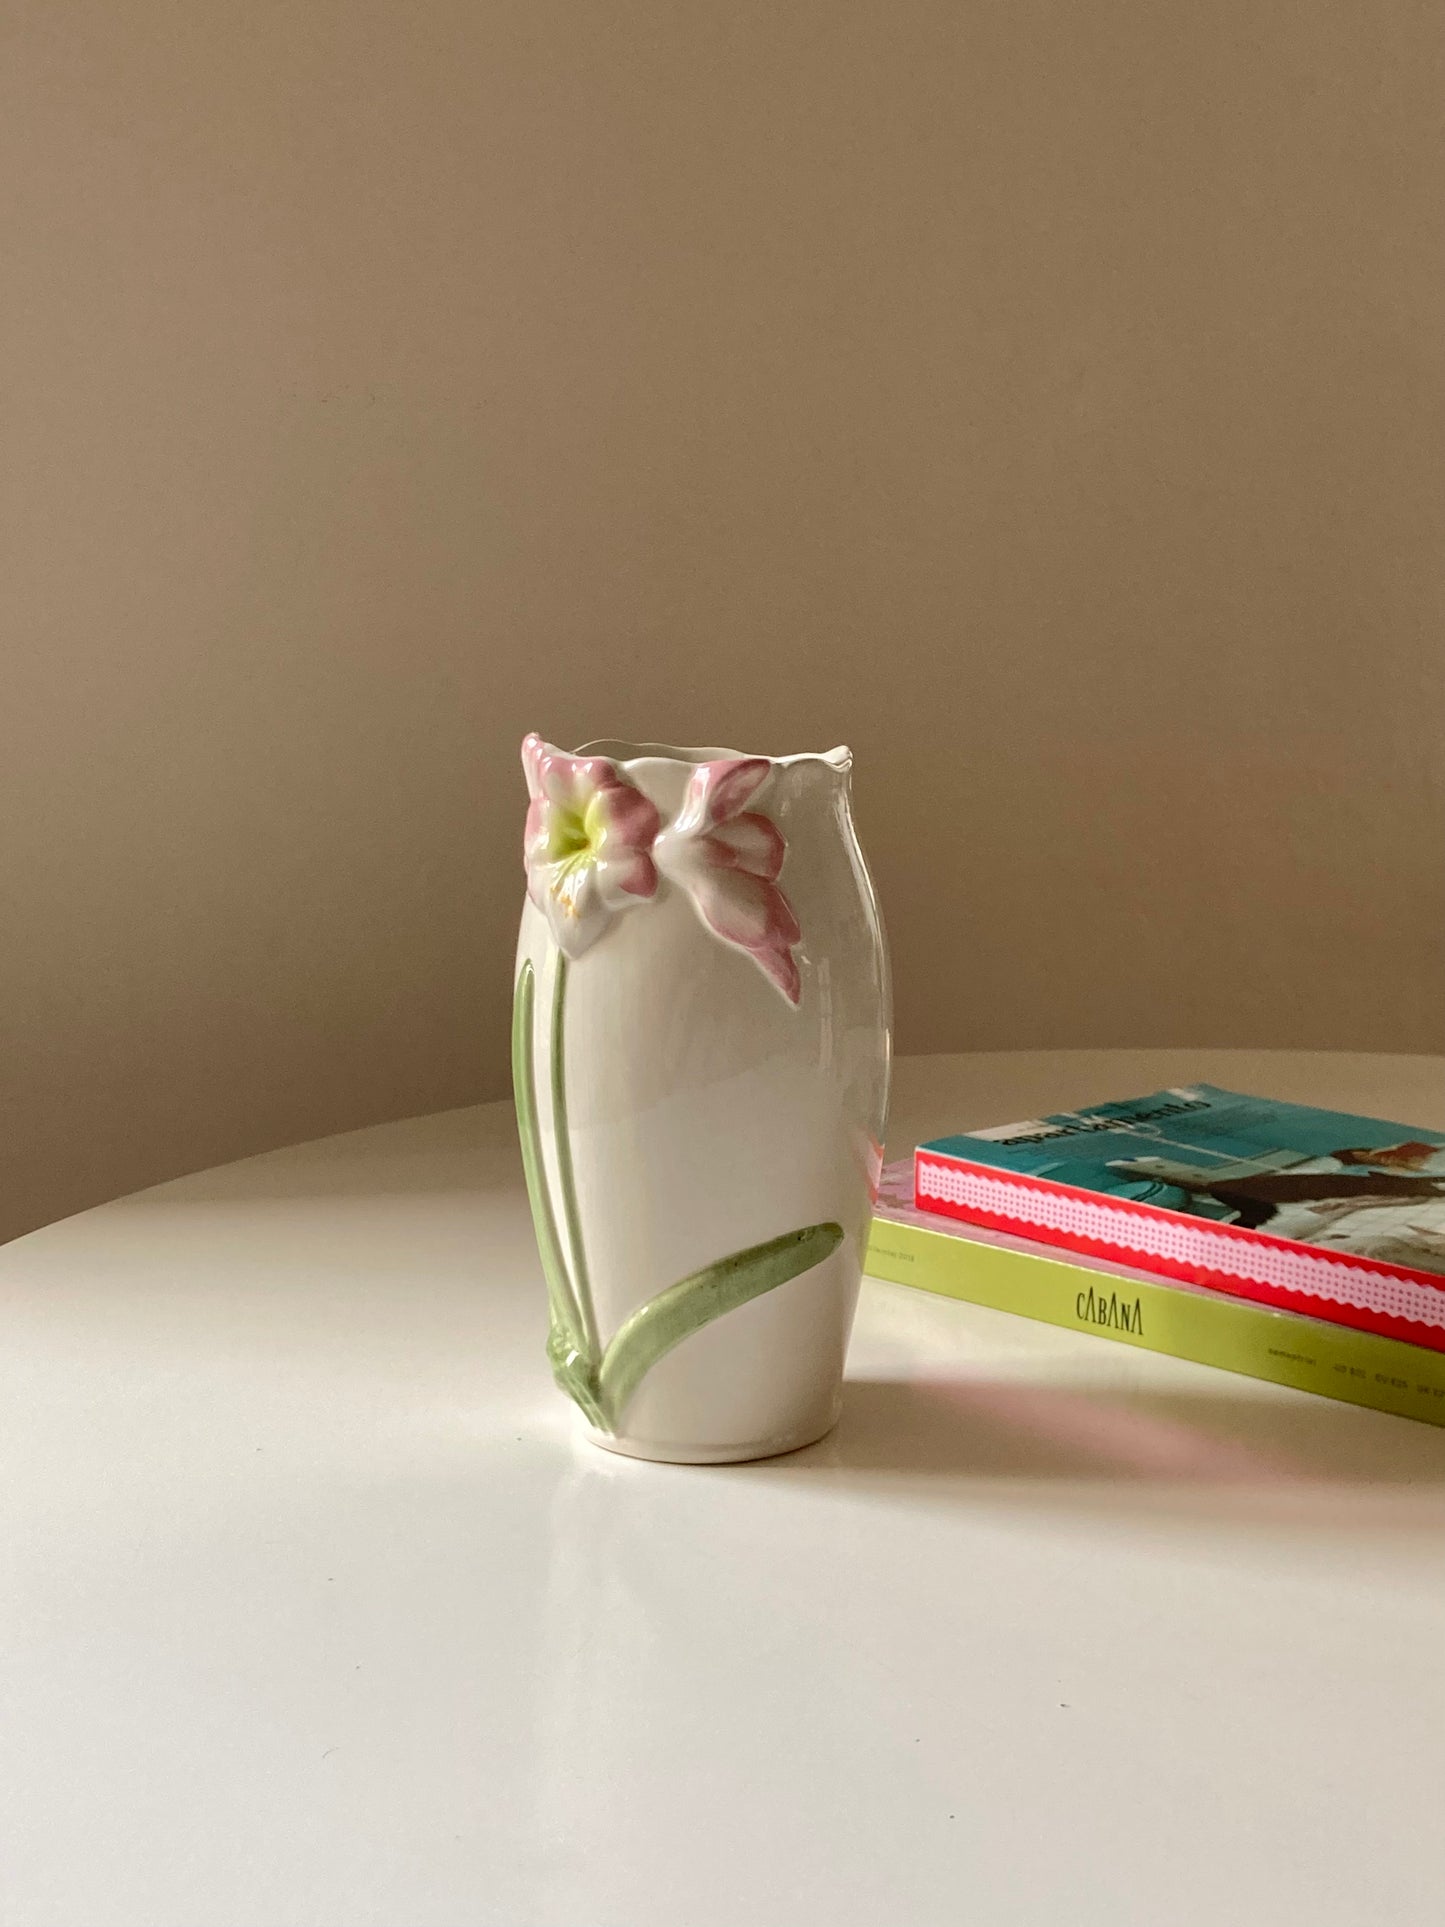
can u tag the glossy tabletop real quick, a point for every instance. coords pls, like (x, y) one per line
(318, 1613)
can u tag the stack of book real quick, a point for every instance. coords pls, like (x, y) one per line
(1288, 1243)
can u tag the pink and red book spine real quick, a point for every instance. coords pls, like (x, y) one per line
(1365, 1293)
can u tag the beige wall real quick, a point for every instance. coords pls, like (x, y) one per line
(1046, 399)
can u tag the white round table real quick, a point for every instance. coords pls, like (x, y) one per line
(316, 1610)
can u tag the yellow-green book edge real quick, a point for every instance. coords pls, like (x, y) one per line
(1206, 1327)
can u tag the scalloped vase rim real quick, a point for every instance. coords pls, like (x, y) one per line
(618, 751)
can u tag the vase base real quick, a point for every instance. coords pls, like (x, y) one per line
(663, 1453)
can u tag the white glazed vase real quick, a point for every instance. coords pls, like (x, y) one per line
(701, 1056)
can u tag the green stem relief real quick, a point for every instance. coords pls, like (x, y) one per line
(567, 1183)
(572, 1360)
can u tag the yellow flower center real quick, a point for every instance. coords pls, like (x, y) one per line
(574, 840)
(568, 838)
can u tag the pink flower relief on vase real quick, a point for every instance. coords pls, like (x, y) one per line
(727, 859)
(587, 845)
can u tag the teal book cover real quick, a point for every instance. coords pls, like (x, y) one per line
(1320, 1177)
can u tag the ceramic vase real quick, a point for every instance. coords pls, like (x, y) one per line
(700, 1054)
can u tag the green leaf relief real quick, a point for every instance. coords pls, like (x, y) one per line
(693, 1302)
